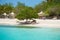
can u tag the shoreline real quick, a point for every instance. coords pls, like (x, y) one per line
(40, 23)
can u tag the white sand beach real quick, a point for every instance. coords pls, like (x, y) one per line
(7, 21)
(46, 23)
(40, 23)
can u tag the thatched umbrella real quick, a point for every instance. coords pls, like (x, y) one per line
(12, 15)
(41, 14)
(5, 15)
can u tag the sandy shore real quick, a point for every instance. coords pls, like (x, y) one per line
(40, 23)
(7, 21)
(46, 23)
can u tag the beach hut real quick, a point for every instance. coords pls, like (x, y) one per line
(5, 15)
(41, 15)
(12, 15)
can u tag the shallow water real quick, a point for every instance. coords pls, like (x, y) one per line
(13, 33)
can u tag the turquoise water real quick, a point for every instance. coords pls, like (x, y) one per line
(13, 33)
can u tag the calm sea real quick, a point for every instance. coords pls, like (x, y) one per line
(14, 33)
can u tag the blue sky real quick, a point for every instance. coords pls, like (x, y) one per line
(31, 3)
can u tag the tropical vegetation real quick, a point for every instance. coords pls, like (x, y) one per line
(49, 7)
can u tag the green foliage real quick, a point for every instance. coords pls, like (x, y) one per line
(19, 7)
(27, 13)
(21, 11)
(54, 11)
(51, 7)
(6, 8)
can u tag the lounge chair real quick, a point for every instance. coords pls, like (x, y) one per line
(27, 22)
(33, 22)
